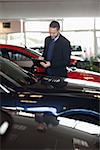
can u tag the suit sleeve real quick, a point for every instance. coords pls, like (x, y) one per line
(67, 53)
(65, 57)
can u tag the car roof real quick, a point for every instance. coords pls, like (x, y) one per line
(25, 51)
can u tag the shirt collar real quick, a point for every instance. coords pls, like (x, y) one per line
(56, 38)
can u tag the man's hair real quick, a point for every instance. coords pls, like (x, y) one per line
(54, 24)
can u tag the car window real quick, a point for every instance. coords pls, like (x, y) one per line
(76, 48)
(17, 56)
(35, 52)
(4, 53)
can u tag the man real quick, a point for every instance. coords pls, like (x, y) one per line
(57, 51)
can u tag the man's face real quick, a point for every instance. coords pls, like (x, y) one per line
(54, 32)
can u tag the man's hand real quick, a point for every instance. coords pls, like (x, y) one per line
(46, 64)
(41, 58)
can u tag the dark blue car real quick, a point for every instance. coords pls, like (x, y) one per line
(22, 91)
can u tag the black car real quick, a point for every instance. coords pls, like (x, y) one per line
(21, 91)
(21, 132)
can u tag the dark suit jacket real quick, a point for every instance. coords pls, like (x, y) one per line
(61, 55)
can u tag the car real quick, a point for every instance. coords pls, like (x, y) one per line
(22, 91)
(83, 74)
(22, 56)
(28, 59)
(77, 50)
(19, 131)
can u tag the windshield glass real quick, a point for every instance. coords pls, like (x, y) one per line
(35, 52)
(76, 48)
(15, 72)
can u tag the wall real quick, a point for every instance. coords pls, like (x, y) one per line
(15, 26)
(48, 8)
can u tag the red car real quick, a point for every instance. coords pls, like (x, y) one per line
(27, 58)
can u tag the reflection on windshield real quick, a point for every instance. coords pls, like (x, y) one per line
(15, 72)
(36, 52)
(80, 125)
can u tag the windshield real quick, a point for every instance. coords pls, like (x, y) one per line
(14, 72)
(76, 48)
(36, 52)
